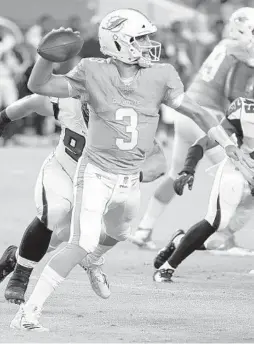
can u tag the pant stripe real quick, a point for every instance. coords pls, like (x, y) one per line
(217, 219)
(44, 217)
(78, 196)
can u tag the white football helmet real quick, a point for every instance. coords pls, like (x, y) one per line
(118, 33)
(241, 25)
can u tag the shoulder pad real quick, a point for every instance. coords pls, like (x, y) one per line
(94, 60)
(164, 69)
(161, 66)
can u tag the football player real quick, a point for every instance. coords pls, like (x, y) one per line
(225, 75)
(53, 195)
(231, 199)
(124, 93)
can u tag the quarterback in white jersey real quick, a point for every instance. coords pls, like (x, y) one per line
(225, 75)
(232, 195)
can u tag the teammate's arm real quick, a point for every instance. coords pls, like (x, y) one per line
(24, 107)
(177, 99)
(205, 120)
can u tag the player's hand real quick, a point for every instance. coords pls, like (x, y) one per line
(238, 155)
(180, 182)
(63, 29)
(233, 152)
(247, 160)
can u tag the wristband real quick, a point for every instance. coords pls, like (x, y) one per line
(219, 135)
(195, 153)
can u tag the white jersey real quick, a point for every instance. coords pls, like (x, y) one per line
(73, 121)
(241, 115)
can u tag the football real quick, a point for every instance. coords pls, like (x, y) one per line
(60, 45)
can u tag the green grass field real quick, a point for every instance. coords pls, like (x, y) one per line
(211, 299)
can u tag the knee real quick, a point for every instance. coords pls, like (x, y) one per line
(219, 222)
(57, 213)
(165, 191)
(88, 239)
(88, 244)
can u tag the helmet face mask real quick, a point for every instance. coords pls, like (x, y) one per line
(146, 47)
(124, 35)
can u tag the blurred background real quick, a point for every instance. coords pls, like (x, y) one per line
(187, 29)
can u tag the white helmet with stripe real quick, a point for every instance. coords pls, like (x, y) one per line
(118, 37)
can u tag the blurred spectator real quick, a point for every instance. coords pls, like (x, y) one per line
(175, 49)
(14, 60)
(201, 40)
(44, 24)
(91, 47)
(75, 23)
(8, 89)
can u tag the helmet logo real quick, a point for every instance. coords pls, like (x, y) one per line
(115, 23)
(242, 19)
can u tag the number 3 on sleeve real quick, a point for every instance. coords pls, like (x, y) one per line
(74, 144)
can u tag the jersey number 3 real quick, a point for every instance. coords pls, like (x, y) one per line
(74, 144)
(131, 128)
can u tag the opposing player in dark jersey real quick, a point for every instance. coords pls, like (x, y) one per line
(226, 74)
(124, 93)
(231, 199)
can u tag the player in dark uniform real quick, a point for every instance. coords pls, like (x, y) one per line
(231, 199)
(226, 74)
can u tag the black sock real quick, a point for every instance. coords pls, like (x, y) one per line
(193, 240)
(35, 241)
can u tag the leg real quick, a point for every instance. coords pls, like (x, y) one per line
(121, 210)
(226, 196)
(91, 195)
(53, 198)
(186, 133)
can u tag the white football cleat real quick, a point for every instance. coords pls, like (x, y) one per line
(142, 238)
(98, 279)
(27, 319)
